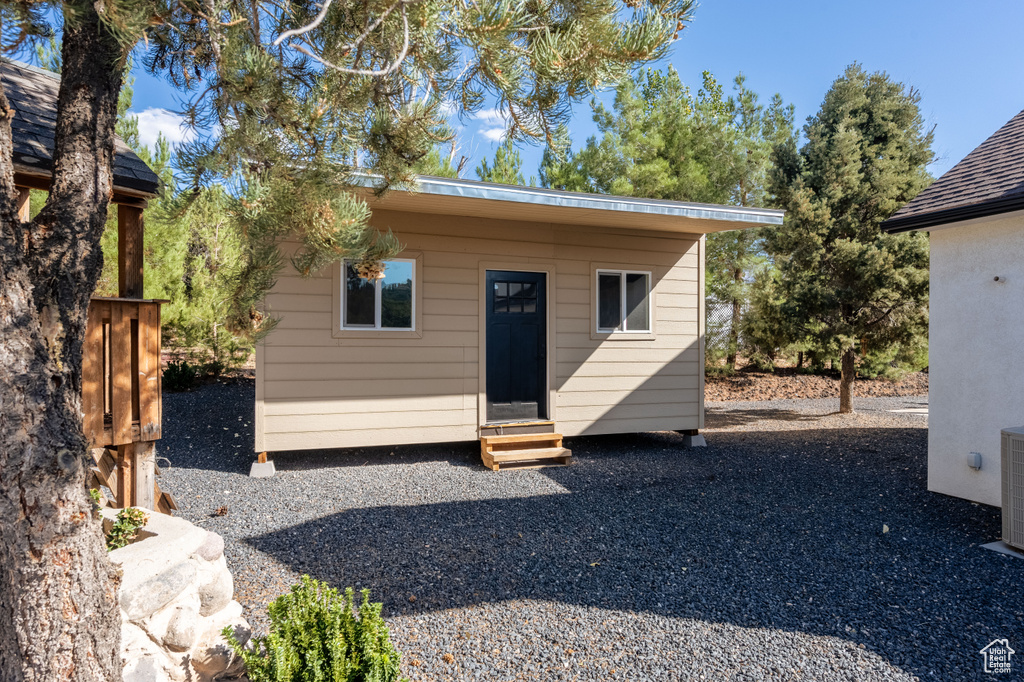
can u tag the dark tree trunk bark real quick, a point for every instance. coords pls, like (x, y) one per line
(734, 327)
(58, 609)
(849, 373)
(734, 335)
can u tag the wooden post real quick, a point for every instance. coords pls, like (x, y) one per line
(144, 468)
(24, 205)
(129, 251)
(125, 476)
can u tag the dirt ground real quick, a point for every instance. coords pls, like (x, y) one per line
(787, 384)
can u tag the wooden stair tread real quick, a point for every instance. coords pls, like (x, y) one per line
(505, 425)
(521, 438)
(531, 453)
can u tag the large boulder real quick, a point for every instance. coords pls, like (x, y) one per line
(176, 599)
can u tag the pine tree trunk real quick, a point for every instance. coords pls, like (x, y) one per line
(58, 609)
(849, 372)
(734, 327)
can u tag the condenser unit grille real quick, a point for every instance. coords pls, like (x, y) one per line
(1013, 488)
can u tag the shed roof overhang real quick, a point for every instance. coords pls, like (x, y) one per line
(471, 198)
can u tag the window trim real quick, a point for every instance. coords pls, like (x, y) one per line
(342, 331)
(604, 332)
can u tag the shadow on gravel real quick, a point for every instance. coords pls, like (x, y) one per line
(779, 530)
(718, 418)
(456, 454)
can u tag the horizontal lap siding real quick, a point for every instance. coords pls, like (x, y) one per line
(319, 391)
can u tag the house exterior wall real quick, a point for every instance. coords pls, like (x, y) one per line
(976, 368)
(321, 387)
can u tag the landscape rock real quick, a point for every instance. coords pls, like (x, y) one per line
(174, 603)
(181, 631)
(140, 600)
(212, 548)
(215, 592)
(145, 669)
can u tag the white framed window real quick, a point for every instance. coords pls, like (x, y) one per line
(387, 304)
(623, 301)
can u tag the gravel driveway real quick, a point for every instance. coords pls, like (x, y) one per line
(759, 557)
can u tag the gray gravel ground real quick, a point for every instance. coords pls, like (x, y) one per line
(760, 557)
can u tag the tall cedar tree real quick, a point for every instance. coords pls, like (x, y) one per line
(661, 141)
(844, 283)
(302, 97)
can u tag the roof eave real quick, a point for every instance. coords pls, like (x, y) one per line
(556, 198)
(956, 214)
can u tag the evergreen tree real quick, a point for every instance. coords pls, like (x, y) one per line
(507, 167)
(844, 283)
(299, 101)
(661, 141)
(442, 166)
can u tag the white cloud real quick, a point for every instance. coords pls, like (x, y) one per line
(490, 117)
(494, 134)
(493, 124)
(154, 121)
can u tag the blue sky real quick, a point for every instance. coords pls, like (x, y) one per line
(966, 59)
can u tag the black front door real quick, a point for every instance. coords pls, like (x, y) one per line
(516, 346)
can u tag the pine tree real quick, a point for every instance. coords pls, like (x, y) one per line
(844, 283)
(660, 140)
(507, 167)
(302, 104)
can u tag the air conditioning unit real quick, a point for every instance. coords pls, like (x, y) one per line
(1013, 487)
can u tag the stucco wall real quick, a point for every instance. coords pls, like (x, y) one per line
(318, 388)
(976, 352)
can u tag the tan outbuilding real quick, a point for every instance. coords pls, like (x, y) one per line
(512, 311)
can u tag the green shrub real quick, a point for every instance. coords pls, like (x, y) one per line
(179, 376)
(129, 521)
(315, 636)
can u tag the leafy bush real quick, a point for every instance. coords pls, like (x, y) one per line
(316, 636)
(129, 521)
(179, 376)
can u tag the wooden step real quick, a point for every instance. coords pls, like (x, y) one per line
(529, 453)
(525, 450)
(533, 458)
(520, 439)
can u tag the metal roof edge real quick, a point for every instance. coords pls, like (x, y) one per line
(474, 189)
(956, 214)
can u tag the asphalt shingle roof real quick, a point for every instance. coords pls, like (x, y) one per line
(988, 181)
(32, 93)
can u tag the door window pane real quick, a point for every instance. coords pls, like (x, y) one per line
(359, 299)
(637, 307)
(396, 296)
(501, 297)
(609, 300)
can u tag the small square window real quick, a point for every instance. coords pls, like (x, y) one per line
(623, 301)
(381, 304)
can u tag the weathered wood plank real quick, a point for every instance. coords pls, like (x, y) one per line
(149, 370)
(92, 377)
(144, 474)
(24, 205)
(129, 251)
(125, 490)
(120, 371)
